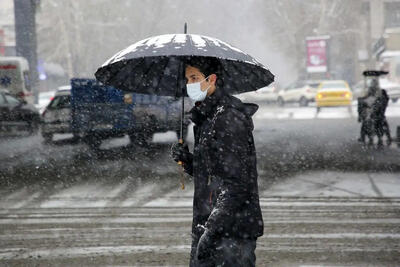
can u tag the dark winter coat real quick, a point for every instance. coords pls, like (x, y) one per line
(378, 107)
(226, 199)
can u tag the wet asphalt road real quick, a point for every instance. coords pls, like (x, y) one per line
(62, 205)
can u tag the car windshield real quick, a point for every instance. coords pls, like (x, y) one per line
(334, 85)
(61, 102)
(314, 85)
(11, 100)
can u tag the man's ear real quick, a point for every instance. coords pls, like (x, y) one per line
(213, 79)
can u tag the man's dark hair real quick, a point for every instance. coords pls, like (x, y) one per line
(207, 66)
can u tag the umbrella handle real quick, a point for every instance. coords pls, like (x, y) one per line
(182, 174)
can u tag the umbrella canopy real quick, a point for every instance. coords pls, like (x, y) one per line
(374, 73)
(154, 65)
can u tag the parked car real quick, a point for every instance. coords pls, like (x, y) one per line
(44, 100)
(17, 115)
(302, 92)
(57, 115)
(267, 94)
(359, 89)
(392, 89)
(333, 93)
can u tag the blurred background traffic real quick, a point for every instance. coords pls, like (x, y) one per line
(316, 49)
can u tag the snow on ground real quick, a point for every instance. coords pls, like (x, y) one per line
(91, 251)
(310, 112)
(338, 184)
(84, 195)
(79, 180)
(308, 185)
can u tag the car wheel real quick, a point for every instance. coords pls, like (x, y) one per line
(394, 100)
(47, 138)
(140, 138)
(33, 127)
(281, 102)
(76, 137)
(93, 142)
(303, 102)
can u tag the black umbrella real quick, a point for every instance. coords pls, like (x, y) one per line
(156, 66)
(152, 66)
(374, 73)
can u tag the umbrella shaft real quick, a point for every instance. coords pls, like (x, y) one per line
(182, 117)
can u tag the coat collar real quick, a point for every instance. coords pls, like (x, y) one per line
(205, 109)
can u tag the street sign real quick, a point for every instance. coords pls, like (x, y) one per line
(317, 54)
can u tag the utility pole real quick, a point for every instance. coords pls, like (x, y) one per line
(376, 18)
(25, 38)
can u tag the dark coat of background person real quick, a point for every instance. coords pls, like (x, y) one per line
(377, 123)
(226, 197)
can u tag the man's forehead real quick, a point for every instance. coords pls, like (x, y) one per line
(192, 71)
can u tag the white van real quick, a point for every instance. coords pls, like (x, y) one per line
(14, 77)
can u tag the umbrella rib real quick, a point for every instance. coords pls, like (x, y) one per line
(240, 72)
(178, 76)
(256, 74)
(132, 72)
(165, 67)
(144, 74)
(122, 75)
(226, 71)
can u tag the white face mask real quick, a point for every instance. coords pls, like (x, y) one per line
(194, 91)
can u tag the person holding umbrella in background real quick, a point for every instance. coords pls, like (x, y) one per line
(371, 110)
(227, 218)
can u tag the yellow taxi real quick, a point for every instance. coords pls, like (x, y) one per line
(333, 94)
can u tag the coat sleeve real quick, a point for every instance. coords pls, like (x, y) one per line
(188, 166)
(228, 156)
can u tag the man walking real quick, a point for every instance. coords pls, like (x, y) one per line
(227, 218)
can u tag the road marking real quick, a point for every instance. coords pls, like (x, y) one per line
(67, 252)
(374, 187)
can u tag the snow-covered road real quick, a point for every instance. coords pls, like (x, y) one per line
(326, 200)
(313, 218)
(298, 230)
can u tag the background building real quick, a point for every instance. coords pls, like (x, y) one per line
(7, 28)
